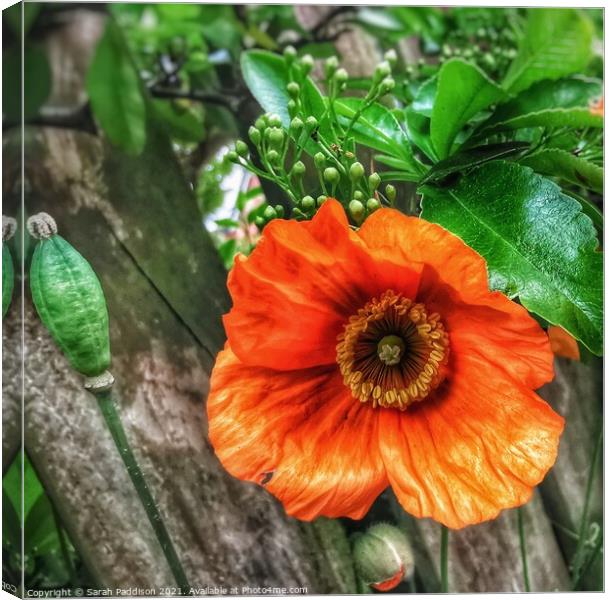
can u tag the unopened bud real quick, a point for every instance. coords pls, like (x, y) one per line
(391, 56)
(387, 85)
(269, 213)
(308, 203)
(273, 156)
(383, 70)
(306, 63)
(341, 76)
(358, 195)
(331, 175)
(372, 204)
(255, 135)
(275, 136)
(274, 120)
(279, 210)
(291, 105)
(233, 156)
(374, 181)
(241, 148)
(319, 160)
(311, 122)
(260, 123)
(356, 171)
(259, 222)
(390, 192)
(331, 65)
(290, 54)
(356, 209)
(293, 89)
(383, 556)
(296, 124)
(321, 200)
(298, 169)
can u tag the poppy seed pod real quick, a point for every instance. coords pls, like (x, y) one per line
(383, 556)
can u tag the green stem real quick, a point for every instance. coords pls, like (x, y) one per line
(590, 560)
(111, 416)
(526, 576)
(444, 559)
(584, 520)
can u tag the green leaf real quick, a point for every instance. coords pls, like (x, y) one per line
(267, 76)
(553, 117)
(556, 42)
(115, 93)
(227, 252)
(180, 123)
(376, 128)
(562, 164)
(590, 209)
(391, 161)
(463, 91)
(537, 243)
(423, 103)
(229, 223)
(418, 132)
(467, 159)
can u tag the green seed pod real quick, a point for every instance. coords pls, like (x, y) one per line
(69, 299)
(9, 226)
(356, 209)
(372, 204)
(331, 175)
(269, 213)
(383, 556)
(308, 203)
(293, 89)
(255, 135)
(319, 160)
(390, 192)
(298, 169)
(242, 148)
(374, 181)
(356, 171)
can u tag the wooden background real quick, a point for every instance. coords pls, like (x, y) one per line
(136, 221)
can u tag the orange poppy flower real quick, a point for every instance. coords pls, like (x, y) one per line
(358, 360)
(562, 343)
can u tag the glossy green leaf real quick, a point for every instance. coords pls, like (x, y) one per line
(418, 132)
(468, 159)
(566, 166)
(376, 127)
(553, 117)
(115, 92)
(538, 244)
(423, 103)
(183, 124)
(556, 42)
(463, 91)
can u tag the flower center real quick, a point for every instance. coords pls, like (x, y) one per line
(392, 353)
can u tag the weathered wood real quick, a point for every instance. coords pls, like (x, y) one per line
(136, 221)
(576, 393)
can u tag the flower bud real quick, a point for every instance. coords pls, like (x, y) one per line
(290, 54)
(279, 210)
(275, 136)
(293, 89)
(331, 65)
(296, 125)
(390, 192)
(291, 105)
(298, 214)
(255, 135)
(321, 200)
(308, 203)
(241, 148)
(372, 204)
(331, 175)
(306, 63)
(387, 85)
(311, 122)
(356, 171)
(274, 120)
(298, 169)
(383, 556)
(233, 156)
(358, 195)
(374, 181)
(391, 56)
(259, 222)
(269, 213)
(319, 160)
(356, 209)
(272, 156)
(341, 76)
(383, 70)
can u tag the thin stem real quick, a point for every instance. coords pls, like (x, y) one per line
(590, 560)
(584, 520)
(111, 416)
(526, 576)
(444, 559)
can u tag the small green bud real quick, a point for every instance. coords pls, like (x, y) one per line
(447, 50)
(259, 222)
(488, 60)
(311, 122)
(296, 124)
(261, 123)
(391, 56)
(356, 171)
(298, 214)
(308, 203)
(293, 89)
(383, 70)
(233, 156)
(356, 209)
(374, 181)
(383, 556)
(341, 76)
(331, 175)
(291, 105)
(331, 65)
(319, 160)
(290, 54)
(242, 148)
(372, 204)
(269, 213)
(298, 169)
(321, 200)
(275, 135)
(306, 63)
(255, 135)
(279, 210)
(387, 85)
(273, 156)
(274, 120)
(358, 195)
(390, 192)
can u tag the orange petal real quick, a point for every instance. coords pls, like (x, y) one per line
(300, 433)
(478, 447)
(597, 108)
(562, 343)
(294, 293)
